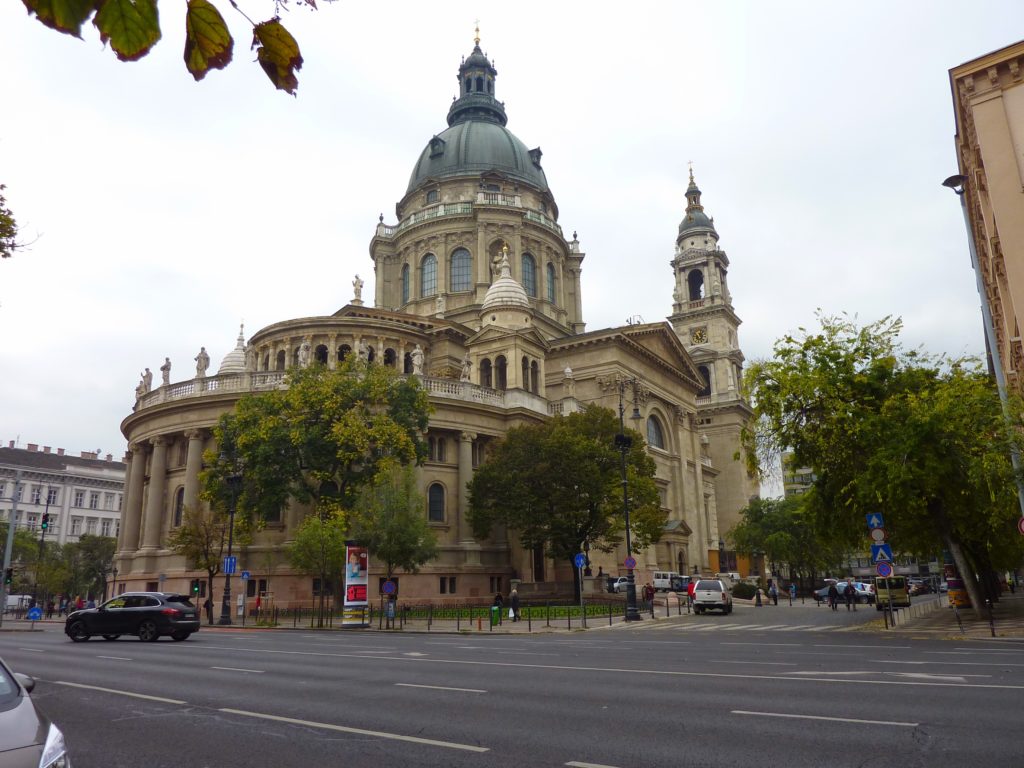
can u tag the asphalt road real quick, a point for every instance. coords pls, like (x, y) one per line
(762, 687)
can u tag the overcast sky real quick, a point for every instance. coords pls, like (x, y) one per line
(165, 211)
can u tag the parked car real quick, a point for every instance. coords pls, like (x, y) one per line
(662, 580)
(711, 593)
(620, 584)
(27, 738)
(147, 615)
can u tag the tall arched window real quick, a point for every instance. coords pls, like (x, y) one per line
(435, 503)
(407, 363)
(179, 506)
(405, 283)
(534, 378)
(486, 380)
(500, 373)
(266, 362)
(529, 274)
(344, 351)
(280, 360)
(695, 282)
(551, 282)
(706, 375)
(428, 276)
(655, 437)
(526, 373)
(320, 355)
(390, 357)
(460, 276)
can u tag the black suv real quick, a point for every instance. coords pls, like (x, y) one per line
(148, 615)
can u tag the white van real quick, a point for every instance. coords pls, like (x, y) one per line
(662, 580)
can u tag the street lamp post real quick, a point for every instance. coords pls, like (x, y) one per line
(623, 442)
(113, 586)
(234, 482)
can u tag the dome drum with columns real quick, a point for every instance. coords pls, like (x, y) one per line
(477, 281)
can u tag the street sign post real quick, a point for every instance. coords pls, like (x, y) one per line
(35, 614)
(878, 535)
(245, 575)
(581, 561)
(230, 564)
(388, 587)
(883, 569)
(881, 553)
(875, 520)
(630, 562)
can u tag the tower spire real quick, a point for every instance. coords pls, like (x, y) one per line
(476, 37)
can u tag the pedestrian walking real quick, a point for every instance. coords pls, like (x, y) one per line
(792, 593)
(513, 602)
(648, 595)
(208, 607)
(773, 592)
(851, 595)
(49, 609)
(833, 597)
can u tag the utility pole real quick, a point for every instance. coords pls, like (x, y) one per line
(9, 546)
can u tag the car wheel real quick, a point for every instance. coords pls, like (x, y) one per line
(727, 610)
(179, 636)
(111, 637)
(77, 632)
(148, 632)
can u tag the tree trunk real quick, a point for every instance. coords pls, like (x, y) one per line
(966, 573)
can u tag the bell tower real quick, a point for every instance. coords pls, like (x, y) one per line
(704, 319)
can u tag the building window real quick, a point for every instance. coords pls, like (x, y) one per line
(534, 377)
(447, 584)
(551, 282)
(695, 285)
(179, 506)
(19, 489)
(390, 357)
(706, 375)
(279, 365)
(529, 268)
(79, 499)
(90, 526)
(94, 500)
(428, 276)
(655, 437)
(76, 526)
(438, 449)
(460, 271)
(496, 585)
(328, 588)
(108, 501)
(37, 494)
(54, 522)
(344, 351)
(435, 503)
(33, 520)
(485, 373)
(321, 354)
(405, 283)
(105, 526)
(500, 373)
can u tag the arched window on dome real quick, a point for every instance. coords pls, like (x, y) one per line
(534, 378)
(295, 357)
(490, 86)
(281, 358)
(655, 435)
(435, 503)
(405, 283)
(529, 269)
(343, 352)
(321, 354)
(428, 276)
(526, 372)
(485, 373)
(407, 363)
(500, 373)
(705, 373)
(480, 85)
(551, 282)
(695, 282)
(469, 84)
(266, 362)
(390, 358)
(460, 269)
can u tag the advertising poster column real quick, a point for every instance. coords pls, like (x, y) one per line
(357, 568)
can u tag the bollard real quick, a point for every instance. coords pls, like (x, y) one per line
(609, 614)
(458, 617)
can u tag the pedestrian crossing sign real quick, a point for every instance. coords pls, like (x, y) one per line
(881, 553)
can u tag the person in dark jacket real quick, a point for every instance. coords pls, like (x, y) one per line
(833, 597)
(513, 603)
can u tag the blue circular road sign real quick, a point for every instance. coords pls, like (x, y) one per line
(388, 587)
(580, 560)
(35, 614)
(883, 569)
(630, 563)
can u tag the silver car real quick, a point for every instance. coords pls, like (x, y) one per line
(27, 738)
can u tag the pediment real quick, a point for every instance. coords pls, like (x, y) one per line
(493, 332)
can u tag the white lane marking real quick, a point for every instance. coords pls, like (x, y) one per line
(119, 693)
(621, 670)
(360, 731)
(414, 653)
(952, 664)
(115, 658)
(576, 764)
(926, 676)
(33, 650)
(830, 719)
(441, 688)
(832, 672)
(374, 651)
(239, 669)
(864, 647)
(774, 645)
(525, 653)
(762, 663)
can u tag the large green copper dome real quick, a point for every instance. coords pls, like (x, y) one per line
(477, 140)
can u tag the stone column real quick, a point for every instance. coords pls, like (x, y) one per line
(132, 514)
(465, 532)
(155, 498)
(193, 465)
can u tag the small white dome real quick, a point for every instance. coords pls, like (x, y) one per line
(234, 361)
(505, 292)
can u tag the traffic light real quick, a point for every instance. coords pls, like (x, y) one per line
(195, 586)
(8, 576)
(46, 521)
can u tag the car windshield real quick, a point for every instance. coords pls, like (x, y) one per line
(8, 687)
(182, 599)
(710, 586)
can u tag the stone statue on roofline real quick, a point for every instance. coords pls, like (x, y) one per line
(202, 363)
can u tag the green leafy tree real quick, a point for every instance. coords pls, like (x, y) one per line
(558, 484)
(389, 520)
(923, 440)
(317, 441)
(318, 550)
(132, 27)
(8, 229)
(787, 532)
(96, 554)
(201, 539)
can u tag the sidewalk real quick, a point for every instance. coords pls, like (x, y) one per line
(1007, 620)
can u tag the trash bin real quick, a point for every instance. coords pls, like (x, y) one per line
(495, 615)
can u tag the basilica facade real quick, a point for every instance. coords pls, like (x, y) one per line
(478, 294)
